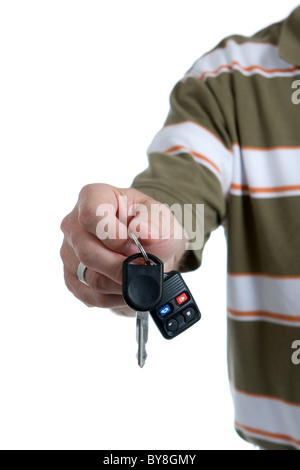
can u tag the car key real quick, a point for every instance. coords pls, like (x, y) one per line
(142, 322)
(177, 310)
(142, 291)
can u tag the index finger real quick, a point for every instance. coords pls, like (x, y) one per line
(100, 214)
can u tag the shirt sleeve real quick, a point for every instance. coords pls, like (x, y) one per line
(190, 158)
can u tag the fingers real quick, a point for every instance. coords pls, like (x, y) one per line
(97, 258)
(110, 214)
(90, 197)
(102, 284)
(91, 252)
(96, 233)
(102, 212)
(90, 297)
(96, 280)
(101, 290)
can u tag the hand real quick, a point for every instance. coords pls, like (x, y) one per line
(96, 233)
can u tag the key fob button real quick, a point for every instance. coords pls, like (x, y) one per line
(164, 310)
(189, 314)
(182, 298)
(172, 325)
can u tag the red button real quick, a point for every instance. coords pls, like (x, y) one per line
(181, 298)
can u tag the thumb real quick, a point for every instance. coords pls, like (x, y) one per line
(153, 222)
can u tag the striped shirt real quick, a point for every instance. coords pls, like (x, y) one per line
(231, 141)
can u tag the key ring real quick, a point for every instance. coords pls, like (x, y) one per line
(140, 247)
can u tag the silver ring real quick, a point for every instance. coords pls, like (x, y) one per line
(81, 273)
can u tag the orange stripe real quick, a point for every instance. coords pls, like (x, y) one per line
(253, 67)
(276, 189)
(265, 397)
(263, 149)
(261, 313)
(246, 69)
(260, 432)
(272, 276)
(214, 72)
(198, 155)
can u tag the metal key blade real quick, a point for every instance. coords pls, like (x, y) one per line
(142, 320)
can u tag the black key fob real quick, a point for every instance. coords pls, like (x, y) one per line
(142, 283)
(177, 310)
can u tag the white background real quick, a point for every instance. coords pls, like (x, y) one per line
(84, 86)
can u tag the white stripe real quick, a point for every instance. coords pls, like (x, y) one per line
(255, 168)
(264, 56)
(195, 138)
(269, 416)
(267, 169)
(264, 294)
(262, 195)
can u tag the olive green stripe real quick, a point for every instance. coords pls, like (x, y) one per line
(240, 109)
(263, 235)
(260, 359)
(192, 100)
(258, 111)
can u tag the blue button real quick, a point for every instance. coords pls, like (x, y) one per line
(164, 310)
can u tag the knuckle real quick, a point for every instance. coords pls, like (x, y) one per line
(87, 304)
(103, 301)
(63, 253)
(116, 272)
(69, 286)
(64, 224)
(85, 216)
(69, 283)
(72, 286)
(85, 190)
(85, 253)
(99, 282)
